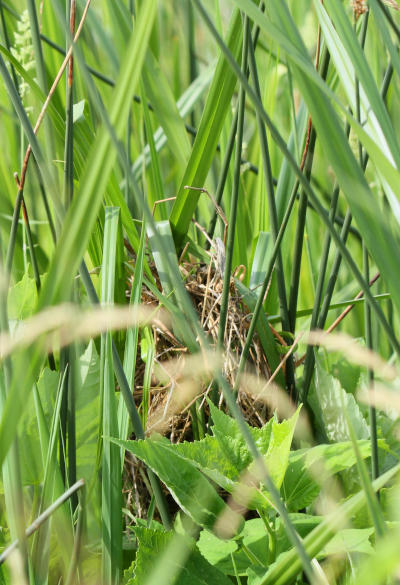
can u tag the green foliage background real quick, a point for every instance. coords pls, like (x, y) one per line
(286, 113)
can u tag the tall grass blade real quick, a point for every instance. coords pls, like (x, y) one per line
(338, 151)
(82, 213)
(235, 195)
(216, 108)
(111, 472)
(131, 344)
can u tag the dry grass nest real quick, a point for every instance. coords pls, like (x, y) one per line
(173, 389)
(204, 285)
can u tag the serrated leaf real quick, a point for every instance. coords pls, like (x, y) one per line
(255, 538)
(208, 456)
(173, 555)
(226, 459)
(277, 456)
(226, 426)
(217, 551)
(300, 486)
(188, 486)
(326, 399)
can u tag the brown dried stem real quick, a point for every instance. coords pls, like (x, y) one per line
(51, 93)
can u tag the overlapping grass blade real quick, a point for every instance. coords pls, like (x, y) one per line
(288, 565)
(215, 110)
(185, 105)
(53, 487)
(111, 472)
(363, 203)
(162, 100)
(131, 343)
(82, 213)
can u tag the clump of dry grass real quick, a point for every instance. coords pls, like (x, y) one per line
(204, 285)
(180, 379)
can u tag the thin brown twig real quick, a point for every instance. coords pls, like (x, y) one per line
(21, 181)
(218, 208)
(43, 517)
(285, 358)
(350, 307)
(51, 93)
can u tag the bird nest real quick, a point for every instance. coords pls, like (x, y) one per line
(167, 415)
(175, 372)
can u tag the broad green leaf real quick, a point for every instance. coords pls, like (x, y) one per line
(255, 538)
(382, 566)
(349, 540)
(326, 401)
(225, 457)
(218, 552)
(308, 469)
(277, 456)
(188, 486)
(288, 565)
(223, 424)
(226, 452)
(347, 373)
(156, 553)
(221, 462)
